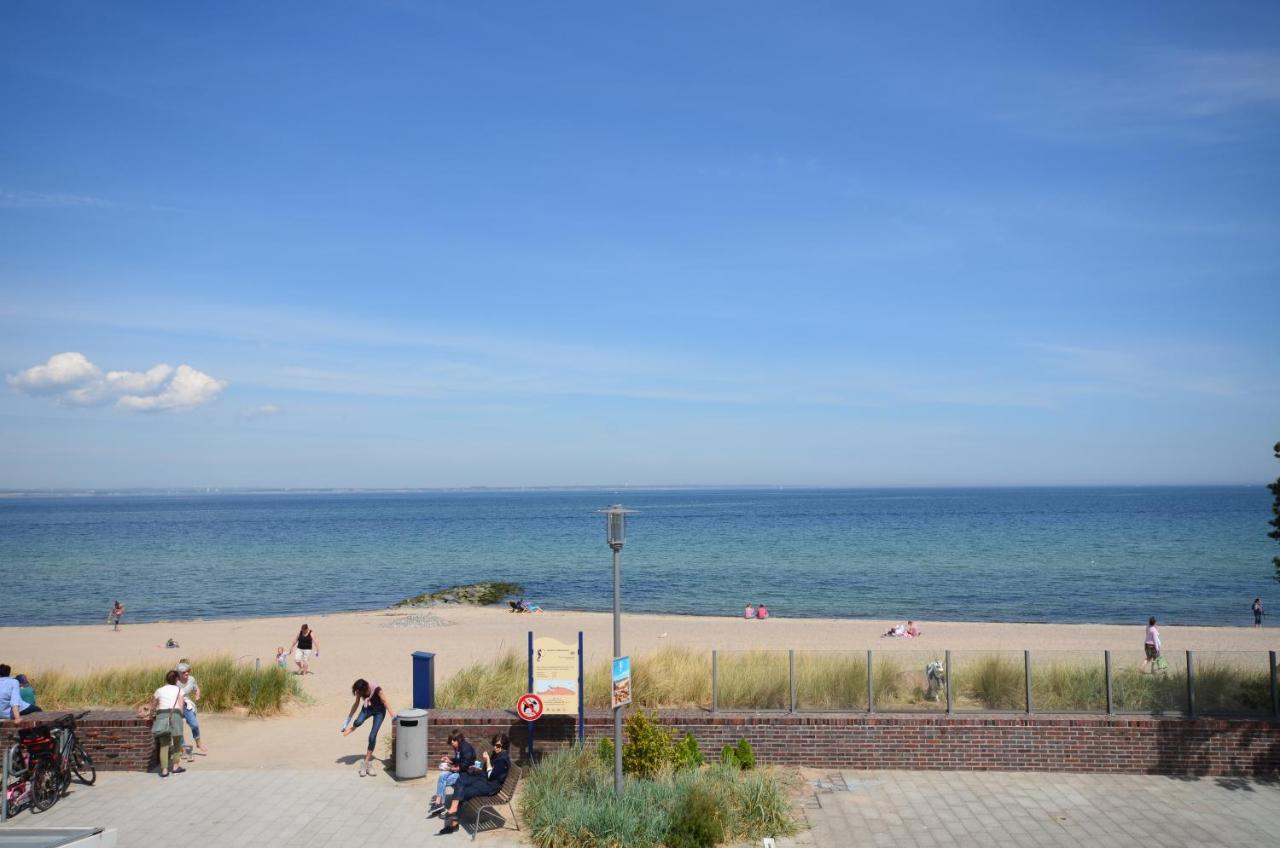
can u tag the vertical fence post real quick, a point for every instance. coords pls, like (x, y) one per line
(1106, 667)
(1275, 692)
(1191, 684)
(4, 781)
(947, 659)
(871, 691)
(1026, 668)
(791, 676)
(715, 682)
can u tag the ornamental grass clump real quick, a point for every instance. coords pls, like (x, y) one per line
(568, 802)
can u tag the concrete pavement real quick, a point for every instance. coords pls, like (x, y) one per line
(331, 807)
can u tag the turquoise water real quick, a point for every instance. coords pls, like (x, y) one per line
(1187, 555)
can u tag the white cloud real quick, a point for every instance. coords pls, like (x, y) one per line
(265, 409)
(78, 382)
(63, 372)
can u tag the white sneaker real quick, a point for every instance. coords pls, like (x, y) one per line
(364, 769)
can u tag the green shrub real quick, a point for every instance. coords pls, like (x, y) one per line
(687, 754)
(604, 750)
(697, 821)
(746, 756)
(647, 747)
(729, 756)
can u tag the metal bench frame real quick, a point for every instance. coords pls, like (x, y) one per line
(486, 803)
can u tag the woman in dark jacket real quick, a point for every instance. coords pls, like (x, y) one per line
(496, 765)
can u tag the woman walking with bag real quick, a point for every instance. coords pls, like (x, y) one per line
(166, 723)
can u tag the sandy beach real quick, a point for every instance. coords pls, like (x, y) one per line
(377, 645)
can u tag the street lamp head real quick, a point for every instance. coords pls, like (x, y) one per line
(616, 524)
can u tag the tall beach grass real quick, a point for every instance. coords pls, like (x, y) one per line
(676, 677)
(225, 686)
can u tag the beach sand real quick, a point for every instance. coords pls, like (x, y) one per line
(377, 645)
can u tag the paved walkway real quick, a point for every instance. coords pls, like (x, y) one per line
(318, 808)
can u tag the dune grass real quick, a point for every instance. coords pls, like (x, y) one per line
(568, 802)
(677, 677)
(225, 685)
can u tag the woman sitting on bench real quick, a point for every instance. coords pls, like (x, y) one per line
(496, 765)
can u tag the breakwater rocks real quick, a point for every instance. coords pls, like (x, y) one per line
(477, 594)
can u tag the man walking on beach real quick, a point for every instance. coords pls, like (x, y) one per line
(1257, 612)
(117, 613)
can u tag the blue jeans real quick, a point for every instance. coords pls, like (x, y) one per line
(190, 715)
(377, 715)
(446, 780)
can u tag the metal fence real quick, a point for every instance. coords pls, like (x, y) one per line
(1232, 684)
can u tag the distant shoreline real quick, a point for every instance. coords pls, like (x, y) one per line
(731, 616)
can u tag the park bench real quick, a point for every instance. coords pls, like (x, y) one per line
(486, 803)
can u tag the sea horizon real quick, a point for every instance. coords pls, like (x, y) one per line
(1192, 555)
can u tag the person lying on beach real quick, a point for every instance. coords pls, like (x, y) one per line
(532, 607)
(896, 630)
(517, 606)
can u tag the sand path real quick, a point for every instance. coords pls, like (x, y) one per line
(371, 645)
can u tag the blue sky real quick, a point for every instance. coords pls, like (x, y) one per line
(414, 244)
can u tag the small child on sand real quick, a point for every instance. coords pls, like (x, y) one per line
(282, 658)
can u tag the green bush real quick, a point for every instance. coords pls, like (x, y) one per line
(647, 748)
(604, 750)
(687, 754)
(729, 756)
(697, 821)
(746, 756)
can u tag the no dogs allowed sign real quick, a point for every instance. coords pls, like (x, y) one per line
(529, 707)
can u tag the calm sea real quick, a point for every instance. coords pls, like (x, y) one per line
(1188, 555)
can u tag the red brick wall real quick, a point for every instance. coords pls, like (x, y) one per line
(1138, 745)
(117, 740)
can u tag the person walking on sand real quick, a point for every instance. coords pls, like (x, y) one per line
(304, 645)
(190, 694)
(1151, 645)
(371, 701)
(1257, 612)
(117, 613)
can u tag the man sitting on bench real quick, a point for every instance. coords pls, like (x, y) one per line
(489, 782)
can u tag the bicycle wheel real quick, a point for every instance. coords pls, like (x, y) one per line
(46, 786)
(82, 765)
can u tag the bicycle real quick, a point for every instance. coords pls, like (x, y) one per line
(50, 754)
